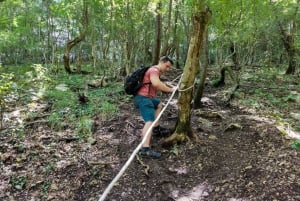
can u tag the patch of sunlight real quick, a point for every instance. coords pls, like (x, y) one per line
(295, 116)
(41, 92)
(14, 116)
(199, 192)
(258, 118)
(288, 132)
(246, 76)
(36, 106)
(36, 95)
(62, 87)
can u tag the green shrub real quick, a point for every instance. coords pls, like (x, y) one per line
(18, 182)
(108, 110)
(296, 145)
(85, 127)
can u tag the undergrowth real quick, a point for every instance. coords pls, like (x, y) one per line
(60, 91)
(68, 111)
(271, 92)
(267, 90)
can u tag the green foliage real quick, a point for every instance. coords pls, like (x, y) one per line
(85, 127)
(271, 89)
(290, 97)
(297, 125)
(108, 110)
(62, 104)
(55, 121)
(175, 150)
(61, 100)
(271, 94)
(68, 112)
(6, 83)
(41, 72)
(18, 182)
(6, 86)
(48, 168)
(215, 82)
(296, 145)
(45, 187)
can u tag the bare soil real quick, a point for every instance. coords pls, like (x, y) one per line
(239, 156)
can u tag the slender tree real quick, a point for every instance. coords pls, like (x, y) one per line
(203, 68)
(287, 25)
(166, 46)
(76, 40)
(201, 16)
(288, 39)
(158, 34)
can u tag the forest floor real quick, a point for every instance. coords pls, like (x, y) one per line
(240, 155)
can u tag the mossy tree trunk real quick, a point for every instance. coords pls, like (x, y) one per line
(183, 130)
(205, 63)
(288, 39)
(76, 40)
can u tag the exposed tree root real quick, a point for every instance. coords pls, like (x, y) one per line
(146, 167)
(177, 138)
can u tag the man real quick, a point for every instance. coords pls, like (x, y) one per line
(150, 106)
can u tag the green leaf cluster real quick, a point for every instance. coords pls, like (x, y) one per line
(296, 145)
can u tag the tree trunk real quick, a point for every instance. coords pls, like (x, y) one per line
(76, 40)
(234, 55)
(183, 129)
(166, 45)
(175, 36)
(79, 60)
(289, 44)
(158, 34)
(199, 92)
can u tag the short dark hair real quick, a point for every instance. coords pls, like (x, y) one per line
(166, 59)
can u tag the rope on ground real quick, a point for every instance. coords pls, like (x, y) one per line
(121, 172)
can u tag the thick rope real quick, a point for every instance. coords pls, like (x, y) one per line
(187, 88)
(121, 172)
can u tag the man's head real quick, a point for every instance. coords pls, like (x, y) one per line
(165, 63)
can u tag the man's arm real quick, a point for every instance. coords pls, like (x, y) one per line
(155, 81)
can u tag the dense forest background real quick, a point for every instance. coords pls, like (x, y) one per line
(117, 35)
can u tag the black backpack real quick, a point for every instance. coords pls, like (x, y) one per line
(134, 81)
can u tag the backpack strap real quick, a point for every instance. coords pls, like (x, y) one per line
(148, 83)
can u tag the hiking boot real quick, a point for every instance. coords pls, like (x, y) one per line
(159, 131)
(149, 153)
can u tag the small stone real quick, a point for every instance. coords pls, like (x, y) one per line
(212, 137)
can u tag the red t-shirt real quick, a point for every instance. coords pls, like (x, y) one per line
(149, 90)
